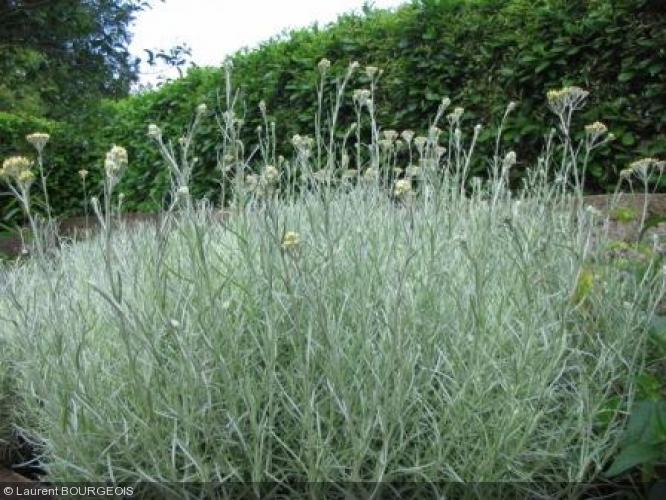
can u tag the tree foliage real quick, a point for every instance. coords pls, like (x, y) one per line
(57, 55)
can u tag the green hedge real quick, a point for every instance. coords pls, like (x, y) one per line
(480, 53)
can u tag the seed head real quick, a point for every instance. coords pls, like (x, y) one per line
(509, 160)
(38, 140)
(455, 117)
(371, 71)
(390, 135)
(324, 65)
(385, 144)
(361, 97)
(12, 167)
(643, 166)
(420, 143)
(154, 131)
(270, 174)
(413, 171)
(596, 129)
(116, 161)
(303, 144)
(83, 174)
(407, 136)
(566, 98)
(402, 188)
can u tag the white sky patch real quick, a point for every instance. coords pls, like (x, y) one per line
(214, 29)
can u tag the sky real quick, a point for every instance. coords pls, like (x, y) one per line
(214, 29)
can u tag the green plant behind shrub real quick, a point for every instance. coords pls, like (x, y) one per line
(482, 54)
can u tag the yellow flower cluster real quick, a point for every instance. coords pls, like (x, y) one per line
(641, 168)
(291, 240)
(645, 163)
(17, 168)
(324, 65)
(38, 140)
(12, 167)
(154, 131)
(371, 71)
(302, 143)
(116, 161)
(371, 174)
(402, 188)
(362, 97)
(454, 118)
(264, 183)
(270, 175)
(407, 136)
(567, 97)
(390, 135)
(385, 144)
(596, 129)
(413, 171)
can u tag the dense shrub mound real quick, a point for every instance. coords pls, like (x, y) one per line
(348, 319)
(336, 338)
(480, 53)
